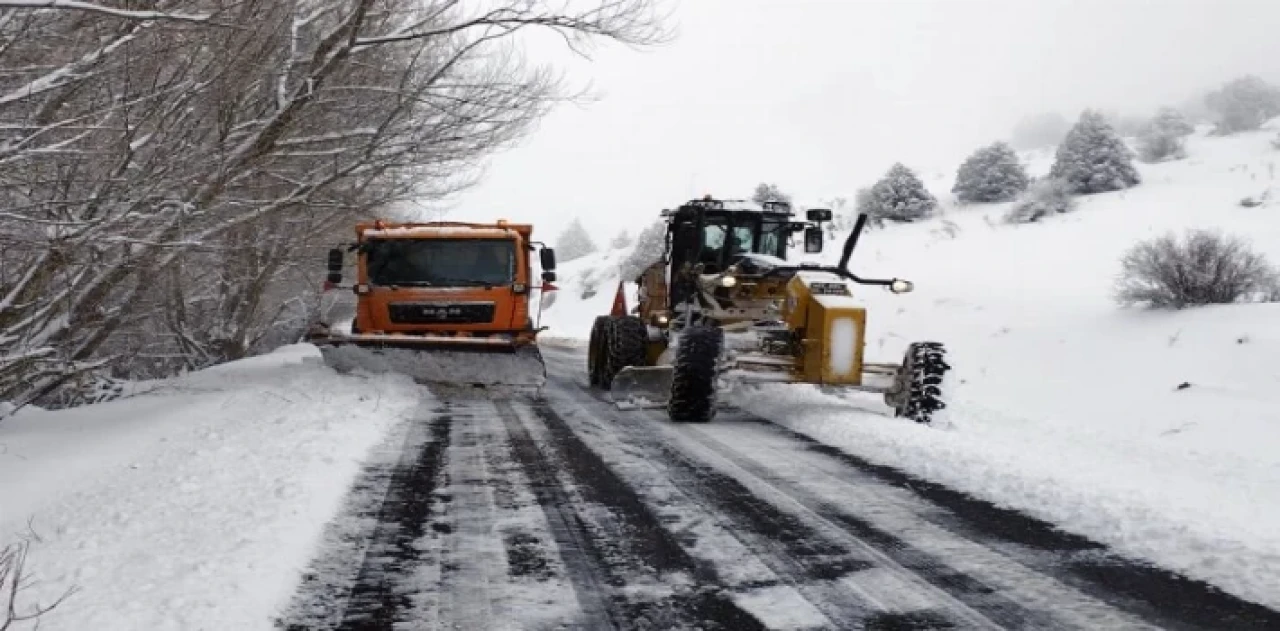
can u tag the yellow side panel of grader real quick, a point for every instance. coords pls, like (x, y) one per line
(833, 341)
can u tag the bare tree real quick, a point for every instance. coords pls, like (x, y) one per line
(167, 175)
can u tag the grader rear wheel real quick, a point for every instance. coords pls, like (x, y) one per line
(596, 349)
(628, 338)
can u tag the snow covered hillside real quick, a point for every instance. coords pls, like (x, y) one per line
(1064, 405)
(193, 506)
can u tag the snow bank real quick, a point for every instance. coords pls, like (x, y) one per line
(194, 506)
(1064, 405)
(587, 286)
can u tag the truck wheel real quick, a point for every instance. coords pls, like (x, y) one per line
(596, 349)
(917, 392)
(628, 339)
(693, 379)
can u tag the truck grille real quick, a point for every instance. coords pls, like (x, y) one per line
(441, 312)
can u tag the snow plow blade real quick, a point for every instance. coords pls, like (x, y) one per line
(641, 387)
(442, 360)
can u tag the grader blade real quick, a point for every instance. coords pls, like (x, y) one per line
(641, 387)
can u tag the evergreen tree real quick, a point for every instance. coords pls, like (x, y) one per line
(1093, 158)
(574, 242)
(621, 241)
(1244, 104)
(769, 193)
(991, 174)
(898, 196)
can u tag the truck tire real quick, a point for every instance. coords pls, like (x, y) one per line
(693, 380)
(596, 349)
(917, 393)
(628, 339)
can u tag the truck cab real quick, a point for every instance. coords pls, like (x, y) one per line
(442, 280)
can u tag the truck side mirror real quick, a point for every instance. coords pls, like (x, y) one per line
(335, 266)
(548, 259)
(548, 277)
(818, 214)
(813, 239)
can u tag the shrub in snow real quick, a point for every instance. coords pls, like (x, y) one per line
(1044, 198)
(898, 196)
(1154, 146)
(648, 250)
(1093, 158)
(769, 193)
(14, 581)
(991, 174)
(1040, 131)
(1205, 267)
(574, 242)
(1171, 120)
(1243, 104)
(1161, 137)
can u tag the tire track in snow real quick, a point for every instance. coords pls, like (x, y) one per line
(577, 551)
(1003, 590)
(324, 591)
(375, 601)
(1154, 594)
(629, 543)
(802, 557)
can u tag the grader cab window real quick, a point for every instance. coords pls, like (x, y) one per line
(714, 235)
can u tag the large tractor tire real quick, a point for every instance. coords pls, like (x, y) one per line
(596, 350)
(917, 394)
(628, 340)
(693, 379)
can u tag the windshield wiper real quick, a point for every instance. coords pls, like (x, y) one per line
(462, 281)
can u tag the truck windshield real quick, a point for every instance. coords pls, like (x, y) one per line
(440, 262)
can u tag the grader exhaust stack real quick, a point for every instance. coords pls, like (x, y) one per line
(445, 303)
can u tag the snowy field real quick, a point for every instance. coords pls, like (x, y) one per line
(1064, 405)
(193, 506)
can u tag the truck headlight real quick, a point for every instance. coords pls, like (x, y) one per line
(728, 281)
(901, 286)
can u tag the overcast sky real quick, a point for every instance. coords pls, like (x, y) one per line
(822, 96)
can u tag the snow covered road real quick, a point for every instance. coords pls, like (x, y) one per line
(561, 511)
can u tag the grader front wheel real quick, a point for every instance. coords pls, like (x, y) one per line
(693, 379)
(917, 391)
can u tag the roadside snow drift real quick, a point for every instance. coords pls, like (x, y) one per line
(1155, 432)
(196, 505)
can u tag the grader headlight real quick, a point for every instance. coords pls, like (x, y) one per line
(728, 280)
(901, 286)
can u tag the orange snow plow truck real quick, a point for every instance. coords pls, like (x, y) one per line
(443, 302)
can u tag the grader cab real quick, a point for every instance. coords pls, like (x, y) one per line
(724, 306)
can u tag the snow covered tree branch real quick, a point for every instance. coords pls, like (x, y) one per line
(168, 184)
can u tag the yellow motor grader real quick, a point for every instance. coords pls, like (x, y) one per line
(724, 306)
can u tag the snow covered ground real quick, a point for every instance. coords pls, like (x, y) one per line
(1064, 405)
(193, 506)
